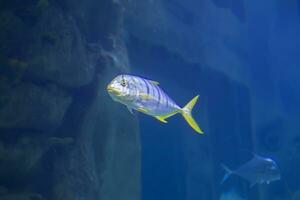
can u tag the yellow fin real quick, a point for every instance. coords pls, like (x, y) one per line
(154, 82)
(143, 110)
(162, 119)
(169, 115)
(187, 114)
(145, 96)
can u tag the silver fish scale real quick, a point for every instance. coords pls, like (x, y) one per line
(159, 105)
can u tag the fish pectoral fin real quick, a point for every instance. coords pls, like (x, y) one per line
(145, 96)
(162, 119)
(143, 110)
(130, 109)
(154, 82)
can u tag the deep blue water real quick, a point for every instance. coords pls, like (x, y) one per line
(256, 109)
(63, 138)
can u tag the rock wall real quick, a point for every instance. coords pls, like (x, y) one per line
(61, 136)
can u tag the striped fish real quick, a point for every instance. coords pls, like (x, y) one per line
(147, 97)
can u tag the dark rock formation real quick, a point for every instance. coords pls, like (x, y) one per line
(58, 52)
(203, 40)
(29, 106)
(25, 196)
(97, 155)
(61, 135)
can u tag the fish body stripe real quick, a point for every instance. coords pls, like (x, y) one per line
(149, 88)
(152, 90)
(159, 96)
(134, 88)
(155, 91)
(160, 104)
(146, 86)
(167, 103)
(164, 100)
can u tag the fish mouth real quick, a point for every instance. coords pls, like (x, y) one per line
(113, 91)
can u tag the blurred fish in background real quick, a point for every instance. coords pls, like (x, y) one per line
(257, 171)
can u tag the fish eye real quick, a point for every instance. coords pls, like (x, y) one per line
(123, 83)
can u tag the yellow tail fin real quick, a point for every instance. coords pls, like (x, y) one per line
(187, 114)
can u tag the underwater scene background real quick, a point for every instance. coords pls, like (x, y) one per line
(63, 138)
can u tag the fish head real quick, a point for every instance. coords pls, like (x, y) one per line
(272, 170)
(119, 88)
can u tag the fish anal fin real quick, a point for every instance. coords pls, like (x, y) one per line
(162, 119)
(143, 110)
(170, 114)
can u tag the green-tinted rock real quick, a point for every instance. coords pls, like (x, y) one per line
(28, 106)
(58, 53)
(18, 160)
(106, 154)
(22, 196)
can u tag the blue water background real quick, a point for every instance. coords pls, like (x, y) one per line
(179, 164)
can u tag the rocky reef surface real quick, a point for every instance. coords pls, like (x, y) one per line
(61, 137)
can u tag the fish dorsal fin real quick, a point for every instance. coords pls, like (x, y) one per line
(161, 119)
(154, 82)
(258, 157)
(255, 156)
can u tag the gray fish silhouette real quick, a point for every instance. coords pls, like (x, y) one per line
(257, 171)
